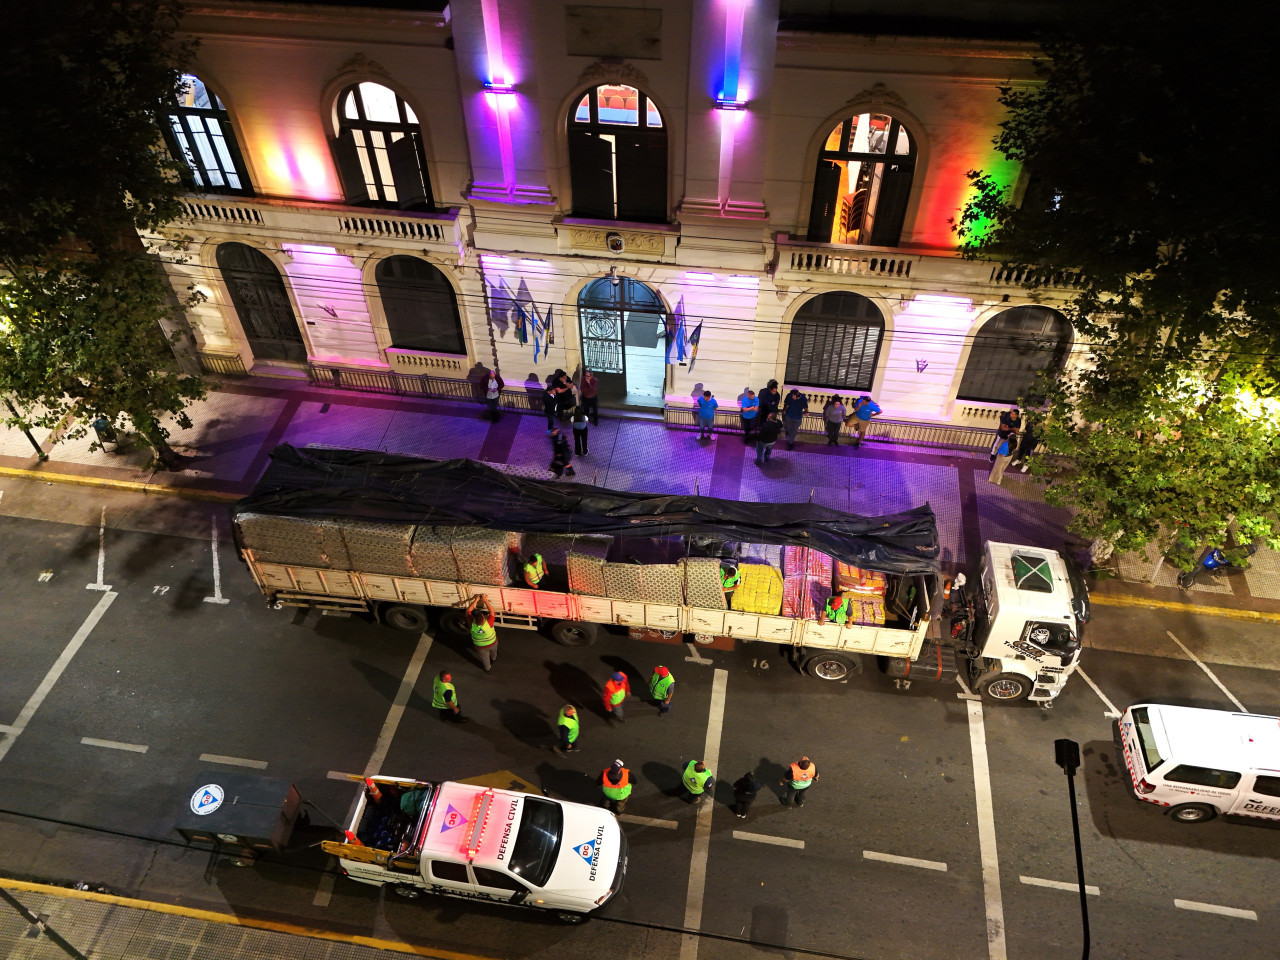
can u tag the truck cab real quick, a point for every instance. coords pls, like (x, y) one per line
(481, 843)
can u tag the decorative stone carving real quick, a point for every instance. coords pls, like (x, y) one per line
(360, 64)
(878, 98)
(613, 71)
(597, 238)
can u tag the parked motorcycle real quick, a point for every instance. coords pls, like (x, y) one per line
(1214, 562)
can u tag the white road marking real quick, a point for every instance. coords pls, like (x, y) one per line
(12, 732)
(4, 728)
(905, 861)
(697, 657)
(114, 745)
(967, 694)
(996, 948)
(159, 590)
(702, 831)
(102, 555)
(1214, 908)
(217, 570)
(1089, 888)
(1210, 674)
(407, 683)
(45, 576)
(233, 761)
(648, 821)
(1112, 712)
(325, 893)
(765, 838)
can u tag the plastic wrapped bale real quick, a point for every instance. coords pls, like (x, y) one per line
(301, 541)
(556, 547)
(586, 575)
(770, 553)
(660, 583)
(702, 583)
(805, 562)
(804, 597)
(379, 547)
(622, 581)
(481, 555)
(760, 590)
(856, 580)
(431, 554)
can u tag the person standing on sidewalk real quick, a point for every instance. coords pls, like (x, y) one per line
(696, 781)
(801, 776)
(770, 430)
(588, 390)
(745, 789)
(616, 689)
(833, 419)
(1030, 439)
(567, 727)
(662, 687)
(1010, 422)
(580, 425)
(793, 410)
(550, 400)
(1004, 453)
(769, 398)
(864, 408)
(565, 399)
(707, 415)
(493, 394)
(749, 413)
(484, 637)
(615, 784)
(444, 697)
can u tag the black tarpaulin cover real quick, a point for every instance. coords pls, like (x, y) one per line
(367, 485)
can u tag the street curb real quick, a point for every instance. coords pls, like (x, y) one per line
(1121, 600)
(132, 486)
(213, 916)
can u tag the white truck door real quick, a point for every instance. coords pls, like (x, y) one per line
(497, 885)
(452, 878)
(1258, 796)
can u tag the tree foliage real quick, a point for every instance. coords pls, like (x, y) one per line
(1148, 196)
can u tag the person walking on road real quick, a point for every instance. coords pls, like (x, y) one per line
(1004, 454)
(793, 410)
(444, 697)
(706, 415)
(696, 781)
(534, 569)
(770, 430)
(588, 390)
(750, 416)
(864, 408)
(483, 635)
(662, 687)
(580, 426)
(798, 780)
(567, 727)
(745, 789)
(615, 784)
(616, 689)
(561, 458)
(833, 419)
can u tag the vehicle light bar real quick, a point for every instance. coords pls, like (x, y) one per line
(479, 821)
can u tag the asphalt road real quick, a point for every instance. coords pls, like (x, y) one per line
(940, 828)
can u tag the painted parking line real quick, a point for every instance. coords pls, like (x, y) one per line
(1215, 908)
(1060, 885)
(233, 761)
(114, 745)
(765, 838)
(997, 948)
(217, 570)
(1112, 713)
(648, 821)
(102, 556)
(905, 861)
(1212, 676)
(702, 830)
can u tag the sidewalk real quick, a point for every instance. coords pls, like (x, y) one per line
(242, 420)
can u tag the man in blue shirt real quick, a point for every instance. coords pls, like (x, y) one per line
(864, 408)
(750, 410)
(706, 415)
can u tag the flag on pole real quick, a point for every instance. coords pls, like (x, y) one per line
(537, 333)
(693, 344)
(522, 324)
(547, 328)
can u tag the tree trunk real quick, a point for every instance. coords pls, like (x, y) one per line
(166, 457)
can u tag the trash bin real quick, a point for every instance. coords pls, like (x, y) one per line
(106, 433)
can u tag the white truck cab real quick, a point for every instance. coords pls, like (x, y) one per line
(1199, 763)
(481, 843)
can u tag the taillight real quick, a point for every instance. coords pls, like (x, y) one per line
(1144, 788)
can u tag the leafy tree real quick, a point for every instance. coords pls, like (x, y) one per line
(1149, 193)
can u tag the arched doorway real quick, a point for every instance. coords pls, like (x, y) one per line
(621, 321)
(261, 302)
(420, 305)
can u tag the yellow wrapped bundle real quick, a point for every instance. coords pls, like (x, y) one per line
(869, 612)
(760, 590)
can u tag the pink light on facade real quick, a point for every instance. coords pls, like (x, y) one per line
(730, 103)
(499, 92)
(294, 167)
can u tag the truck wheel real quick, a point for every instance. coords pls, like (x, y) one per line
(1193, 813)
(573, 633)
(404, 617)
(409, 893)
(1004, 687)
(829, 666)
(454, 623)
(566, 916)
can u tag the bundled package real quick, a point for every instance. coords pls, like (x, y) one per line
(760, 590)
(851, 579)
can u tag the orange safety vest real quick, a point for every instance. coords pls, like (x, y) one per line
(800, 779)
(617, 791)
(615, 691)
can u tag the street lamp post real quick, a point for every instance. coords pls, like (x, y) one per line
(1067, 756)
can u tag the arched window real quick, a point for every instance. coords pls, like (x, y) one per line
(421, 307)
(261, 303)
(863, 182)
(835, 342)
(379, 149)
(1010, 350)
(199, 132)
(618, 156)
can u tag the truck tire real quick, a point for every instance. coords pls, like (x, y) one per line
(454, 623)
(404, 616)
(1193, 813)
(406, 891)
(573, 633)
(1004, 687)
(829, 666)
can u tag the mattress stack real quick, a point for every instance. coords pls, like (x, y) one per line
(585, 562)
(380, 547)
(481, 555)
(622, 581)
(807, 582)
(701, 578)
(760, 590)
(297, 540)
(431, 553)
(661, 583)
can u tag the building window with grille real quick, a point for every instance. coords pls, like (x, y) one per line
(420, 305)
(378, 149)
(863, 182)
(199, 133)
(618, 156)
(1011, 350)
(835, 342)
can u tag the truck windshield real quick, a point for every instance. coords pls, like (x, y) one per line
(538, 842)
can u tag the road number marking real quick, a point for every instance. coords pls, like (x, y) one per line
(765, 838)
(1089, 888)
(45, 576)
(905, 861)
(160, 590)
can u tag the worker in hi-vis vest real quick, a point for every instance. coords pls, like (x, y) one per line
(697, 781)
(616, 689)
(567, 727)
(615, 784)
(838, 609)
(730, 578)
(662, 687)
(534, 569)
(444, 697)
(799, 779)
(483, 635)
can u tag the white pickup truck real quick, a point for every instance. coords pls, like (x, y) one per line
(482, 843)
